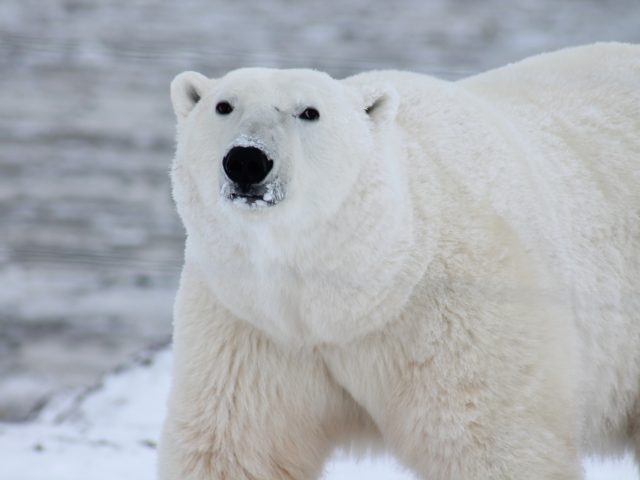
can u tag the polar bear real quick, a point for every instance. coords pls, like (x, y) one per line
(447, 270)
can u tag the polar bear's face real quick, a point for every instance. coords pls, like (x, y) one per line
(283, 174)
(286, 146)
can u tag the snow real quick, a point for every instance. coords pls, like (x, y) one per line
(91, 246)
(249, 141)
(111, 431)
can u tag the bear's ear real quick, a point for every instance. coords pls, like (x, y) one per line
(186, 91)
(380, 102)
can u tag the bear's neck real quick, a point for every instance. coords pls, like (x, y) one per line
(348, 277)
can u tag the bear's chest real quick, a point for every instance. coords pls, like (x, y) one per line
(272, 297)
(308, 306)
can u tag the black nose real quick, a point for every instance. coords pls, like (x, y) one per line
(246, 165)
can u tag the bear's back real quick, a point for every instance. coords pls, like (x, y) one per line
(584, 101)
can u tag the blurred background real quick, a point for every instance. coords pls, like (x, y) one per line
(90, 245)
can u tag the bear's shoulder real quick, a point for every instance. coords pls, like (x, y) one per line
(612, 65)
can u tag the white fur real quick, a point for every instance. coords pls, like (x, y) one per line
(452, 271)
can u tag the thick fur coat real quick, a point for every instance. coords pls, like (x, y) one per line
(448, 270)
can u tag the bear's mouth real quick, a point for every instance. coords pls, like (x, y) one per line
(254, 196)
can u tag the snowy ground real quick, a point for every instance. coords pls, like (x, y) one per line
(110, 432)
(91, 246)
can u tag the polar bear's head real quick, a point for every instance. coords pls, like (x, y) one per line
(284, 175)
(284, 147)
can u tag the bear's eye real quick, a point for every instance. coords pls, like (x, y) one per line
(310, 114)
(224, 108)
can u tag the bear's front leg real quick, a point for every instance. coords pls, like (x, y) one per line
(471, 430)
(241, 407)
(470, 392)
